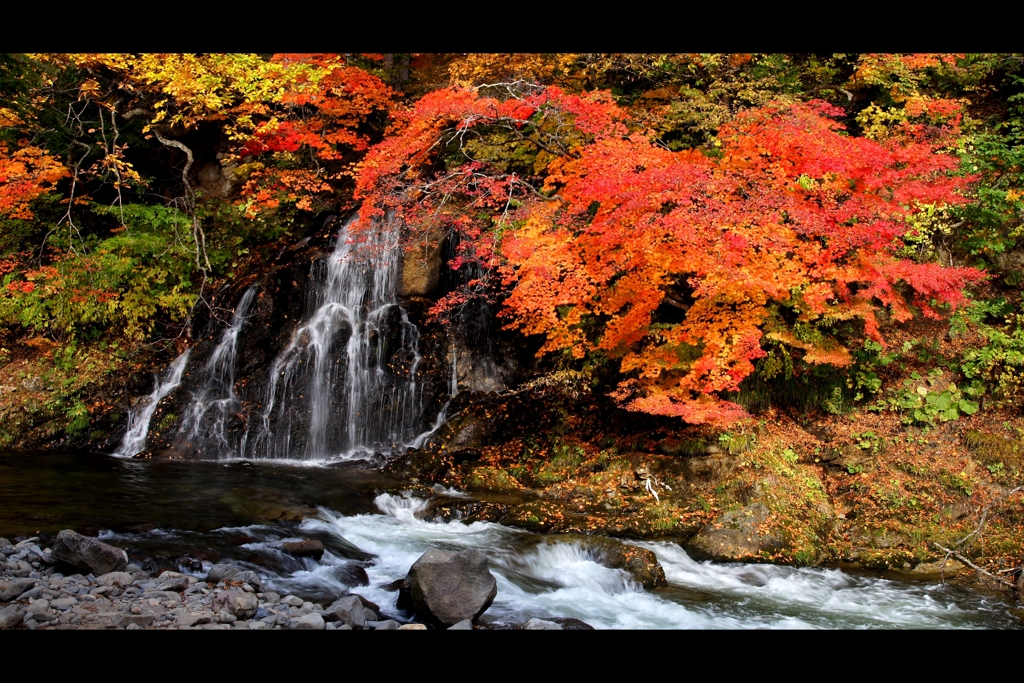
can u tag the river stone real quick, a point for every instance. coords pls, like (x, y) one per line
(229, 572)
(38, 606)
(11, 616)
(119, 579)
(11, 589)
(189, 619)
(464, 625)
(291, 601)
(386, 625)
(572, 624)
(63, 603)
(124, 620)
(239, 603)
(175, 585)
(536, 624)
(88, 554)
(307, 548)
(309, 622)
(446, 587)
(348, 610)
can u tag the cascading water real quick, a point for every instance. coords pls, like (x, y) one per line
(138, 420)
(206, 419)
(377, 405)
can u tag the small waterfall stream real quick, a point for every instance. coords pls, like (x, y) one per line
(138, 420)
(333, 396)
(206, 418)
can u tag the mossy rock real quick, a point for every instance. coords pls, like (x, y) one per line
(491, 479)
(881, 560)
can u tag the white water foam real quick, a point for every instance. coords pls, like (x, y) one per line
(205, 421)
(544, 577)
(138, 420)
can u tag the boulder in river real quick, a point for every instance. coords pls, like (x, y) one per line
(445, 587)
(536, 624)
(88, 554)
(733, 537)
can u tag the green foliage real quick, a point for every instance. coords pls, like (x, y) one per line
(128, 281)
(925, 400)
(999, 364)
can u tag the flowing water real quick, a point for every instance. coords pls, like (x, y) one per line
(209, 511)
(142, 412)
(347, 380)
(206, 418)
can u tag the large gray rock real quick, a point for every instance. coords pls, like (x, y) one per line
(11, 616)
(88, 554)
(229, 572)
(445, 587)
(348, 610)
(239, 603)
(309, 622)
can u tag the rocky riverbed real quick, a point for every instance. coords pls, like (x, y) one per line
(445, 589)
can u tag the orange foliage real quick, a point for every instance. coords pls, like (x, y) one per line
(787, 210)
(26, 173)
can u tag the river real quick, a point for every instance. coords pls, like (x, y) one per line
(188, 515)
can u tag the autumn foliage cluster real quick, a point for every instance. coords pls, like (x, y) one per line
(674, 217)
(785, 227)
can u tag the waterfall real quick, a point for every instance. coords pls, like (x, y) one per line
(346, 383)
(205, 421)
(138, 422)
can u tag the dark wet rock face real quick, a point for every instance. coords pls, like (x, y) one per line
(88, 554)
(444, 587)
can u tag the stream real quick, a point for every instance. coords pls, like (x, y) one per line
(186, 516)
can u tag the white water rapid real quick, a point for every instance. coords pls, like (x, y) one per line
(346, 384)
(545, 577)
(138, 420)
(205, 420)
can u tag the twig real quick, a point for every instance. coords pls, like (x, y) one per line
(984, 514)
(961, 558)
